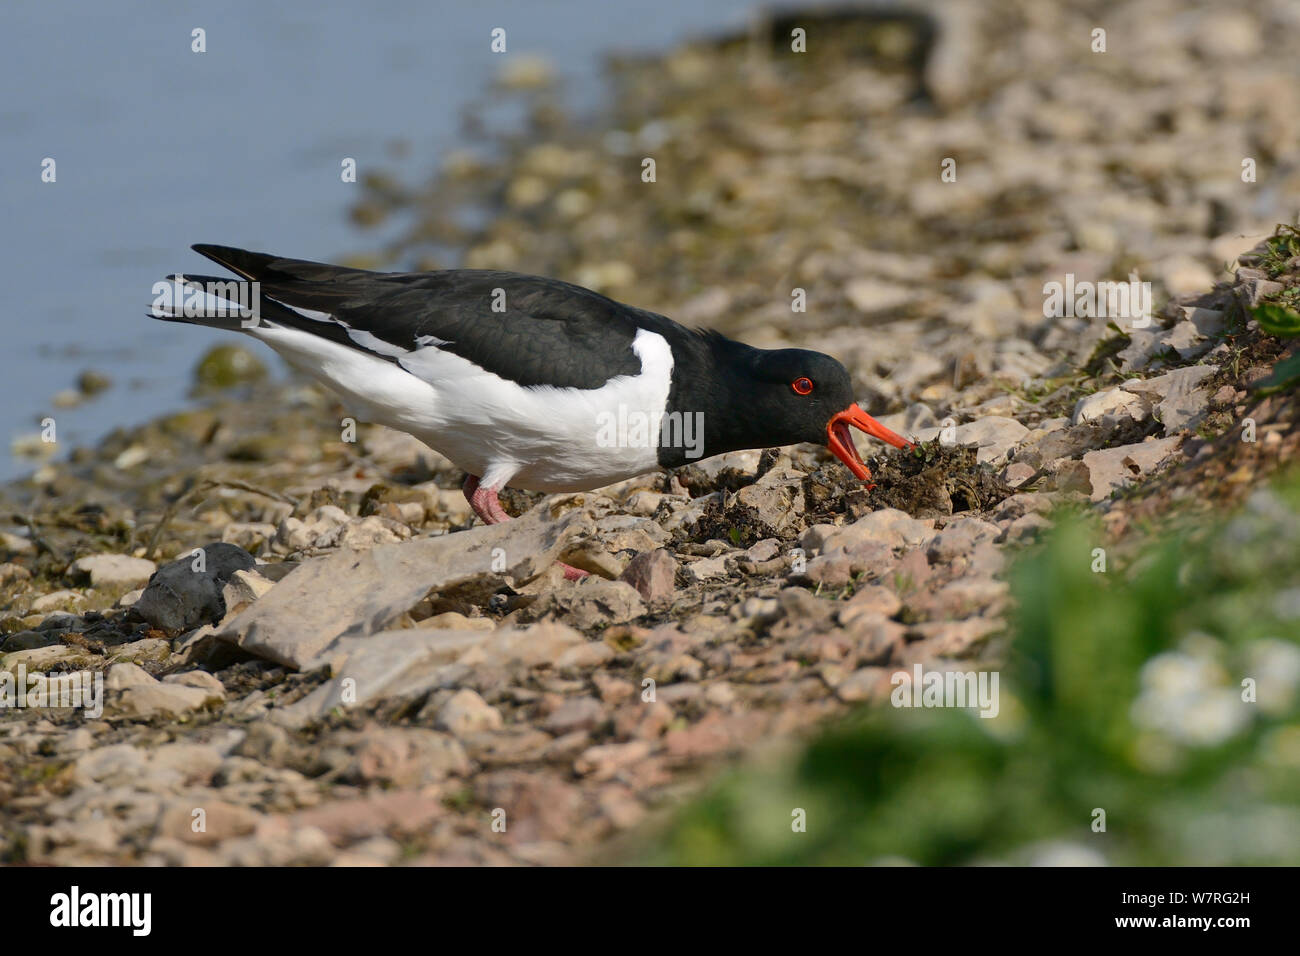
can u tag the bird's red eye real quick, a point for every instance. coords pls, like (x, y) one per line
(802, 385)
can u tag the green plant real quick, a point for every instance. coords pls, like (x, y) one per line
(1278, 320)
(1163, 695)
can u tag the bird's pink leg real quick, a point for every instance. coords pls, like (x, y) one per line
(484, 501)
(487, 506)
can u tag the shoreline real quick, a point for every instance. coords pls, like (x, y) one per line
(766, 596)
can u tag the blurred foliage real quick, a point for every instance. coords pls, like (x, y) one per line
(1281, 251)
(1123, 691)
(1280, 248)
(1285, 324)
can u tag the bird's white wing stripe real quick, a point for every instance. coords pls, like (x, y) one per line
(310, 313)
(375, 344)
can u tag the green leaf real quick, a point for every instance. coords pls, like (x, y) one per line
(1285, 375)
(1277, 320)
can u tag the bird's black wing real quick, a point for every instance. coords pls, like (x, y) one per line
(528, 329)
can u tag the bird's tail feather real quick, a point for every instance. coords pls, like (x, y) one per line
(218, 303)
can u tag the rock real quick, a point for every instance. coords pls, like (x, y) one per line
(144, 701)
(576, 713)
(455, 621)
(872, 296)
(12, 545)
(151, 650)
(252, 536)
(219, 821)
(122, 676)
(117, 765)
(960, 538)
(56, 600)
(1105, 402)
(113, 570)
(364, 533)
(1017, 473)
(1113, 468)
(954, 638)
(225, 366)
(594, 602)
(13, 572)
(893, 527)
(200, 679)
(185, 762)
(1025, 528)
(465, 712)
(1181, 405)
(595, 557)
(1071, 476)
(992, 435)
(1185, 339)
(653, 574)
(869, 683)
(541, 644)
(405, 756)
(345, 821)
(393, 665)
(1141, 347)
(1183, 275)
(28, 640)
(605, 761)
(706, 569)
(834, 570)
(1250, 292)
(870, 599)
(52, 657)
(646, 502)
(775, 501)
(186, 593)
(408, 664)
(243, 588)
(349, 593)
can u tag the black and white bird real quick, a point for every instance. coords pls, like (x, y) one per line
(528, 381)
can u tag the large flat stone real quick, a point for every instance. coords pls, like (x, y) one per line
(352, 593)
(1111, 469)
(410, 663)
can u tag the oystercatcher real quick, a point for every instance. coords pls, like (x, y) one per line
(524, 380)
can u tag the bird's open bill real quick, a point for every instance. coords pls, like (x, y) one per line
(840, 439)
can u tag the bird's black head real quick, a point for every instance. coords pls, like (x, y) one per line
(794, 392)
(772, 397)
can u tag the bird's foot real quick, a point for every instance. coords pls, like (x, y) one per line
(487, 506)
(571, 573)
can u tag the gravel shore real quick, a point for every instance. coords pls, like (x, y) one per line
(307, 644)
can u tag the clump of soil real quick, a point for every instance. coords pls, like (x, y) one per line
(698, 482)
(736, 523)
(933, 480)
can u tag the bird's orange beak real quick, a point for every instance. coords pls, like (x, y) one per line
(840, 440)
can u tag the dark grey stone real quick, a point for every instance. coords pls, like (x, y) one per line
(179, 598)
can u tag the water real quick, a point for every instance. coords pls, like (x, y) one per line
(157, 147)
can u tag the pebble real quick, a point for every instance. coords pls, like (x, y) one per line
(653, 574)
(113, 570)
(465, 712)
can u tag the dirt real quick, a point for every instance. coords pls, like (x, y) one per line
(933, 480)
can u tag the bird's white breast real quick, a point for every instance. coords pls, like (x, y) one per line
(540, 438)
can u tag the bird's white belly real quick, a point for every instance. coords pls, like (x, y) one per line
(537, 438)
